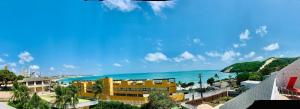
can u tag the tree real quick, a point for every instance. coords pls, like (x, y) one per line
(37, 103)
(6, 76)
(210, 81)
(242, 77)
(60, 98)
(22, 100)
(72, 95)
(158, 101)
(190, 83)
(114, 105)
(98, 88)
(179, 83)
(20, 96)
(255, 76)
(66, 96)
(216, 76)
(20, 77)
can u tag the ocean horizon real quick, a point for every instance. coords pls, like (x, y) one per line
(183, 76)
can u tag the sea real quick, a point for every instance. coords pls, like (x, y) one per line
(182, 76)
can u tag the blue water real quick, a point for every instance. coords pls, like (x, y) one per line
(183, 76)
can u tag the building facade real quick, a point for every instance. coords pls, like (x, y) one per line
(130, 91)
(37, 84)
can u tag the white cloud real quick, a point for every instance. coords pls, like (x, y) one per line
(213, 54)
(239, 45)
(117, 65)
(262, 30)
(245, 35)
(156, 57)
(258, 58)
(122, 5)
(185, 56)
(271, 47)
(1, 60)
(68, 66)
(226, 56)
(25, 57)
(250, 55)
(51, 68)
(158, 5)
(236, 45)
(129, 5)
(229, 55)
(34, 67)
(201, 58)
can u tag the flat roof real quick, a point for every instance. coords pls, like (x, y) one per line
(251, 82)
(35, 79)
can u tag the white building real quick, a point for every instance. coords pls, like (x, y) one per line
(250, 84)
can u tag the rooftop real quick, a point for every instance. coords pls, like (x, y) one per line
(35, 79)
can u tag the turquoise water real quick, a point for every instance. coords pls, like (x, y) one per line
(183, 76)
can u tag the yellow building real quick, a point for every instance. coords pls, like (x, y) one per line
(130, 91)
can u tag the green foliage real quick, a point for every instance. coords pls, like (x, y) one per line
(113, 105)
(254, 66)
(20, 77)
(185, 85)
(255, 77)
(216, 76)
(22, 100)
(277, 65)
(242, 77)
(37, 103)
(66, 96)
(98, 88)
(210, 81)
(20, 96)
(6, 76)
(158, 101)
(244, 67)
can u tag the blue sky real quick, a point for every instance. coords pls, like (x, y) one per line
(121, 36)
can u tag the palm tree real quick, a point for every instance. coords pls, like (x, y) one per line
(217, 78)
(72, 92)
(60, 98)
(37, 103)
(65, 96)
(98, 89)
(20, 95)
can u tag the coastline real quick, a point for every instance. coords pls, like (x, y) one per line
(185, 76)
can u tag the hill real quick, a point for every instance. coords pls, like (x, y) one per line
(263, 67)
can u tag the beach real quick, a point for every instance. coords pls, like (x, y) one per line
(182, 76)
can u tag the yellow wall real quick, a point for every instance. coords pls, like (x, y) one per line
(133, 92)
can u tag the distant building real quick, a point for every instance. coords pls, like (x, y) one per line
(130, 91)
(249, 84)
(37, 84)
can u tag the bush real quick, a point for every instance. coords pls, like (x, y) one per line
(210, 81)
(255, 77)
(242, 77)
(113, 105)
(159, 101)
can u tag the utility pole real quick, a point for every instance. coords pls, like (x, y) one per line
(200, 82)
